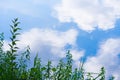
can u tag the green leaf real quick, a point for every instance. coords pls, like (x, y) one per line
(43, 68)
(53, 69)
(13, 43)
(16, 19)
(17, 34)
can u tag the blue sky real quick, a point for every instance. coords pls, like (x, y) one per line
(90, 29)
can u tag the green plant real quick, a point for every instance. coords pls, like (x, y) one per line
(9, 64)
(36, 71)
(14, 66)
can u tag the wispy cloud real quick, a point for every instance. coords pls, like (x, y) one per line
(89, 15)
(108, 57)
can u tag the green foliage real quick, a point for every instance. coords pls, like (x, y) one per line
(14, 67)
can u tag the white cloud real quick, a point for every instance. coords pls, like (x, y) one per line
(89, 15)
(76, 56)
(107, 56)
(6, 46)
(50, 44)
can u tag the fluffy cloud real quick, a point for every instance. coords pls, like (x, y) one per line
(76, 56)
(49, 44)
(89, 15)
(107, 56)
(37, 39)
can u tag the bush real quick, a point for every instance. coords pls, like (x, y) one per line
(14, 67)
